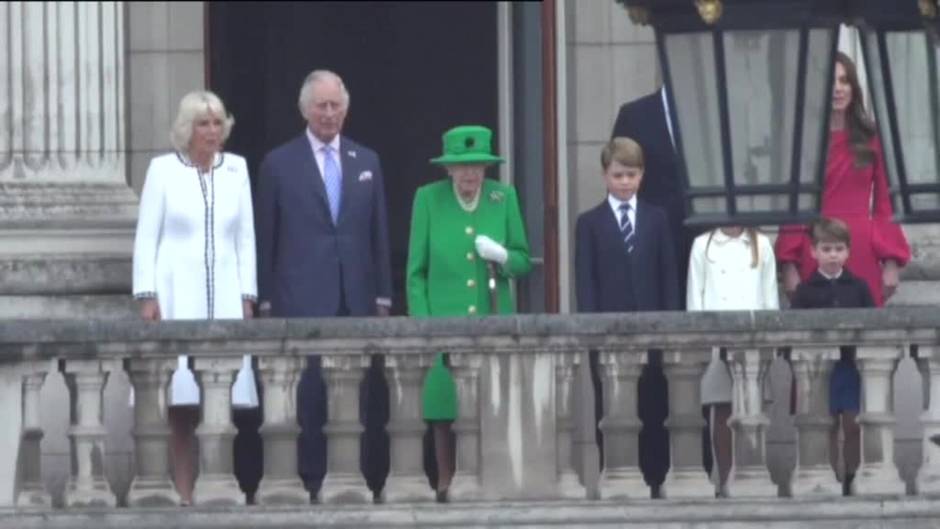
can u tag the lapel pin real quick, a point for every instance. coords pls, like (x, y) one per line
(352, 154)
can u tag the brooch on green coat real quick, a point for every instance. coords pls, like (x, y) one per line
(496, 196)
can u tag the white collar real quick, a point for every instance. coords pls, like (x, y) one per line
(317, 145)
(830, 278)
(721, 237)
(665, 99)
(616, 202)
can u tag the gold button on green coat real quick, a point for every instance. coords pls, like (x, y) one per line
(438, 263)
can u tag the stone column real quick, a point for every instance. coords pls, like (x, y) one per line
(568, 484)
(813, 475)
(152, 485)
(65, 206)
(621, 476)
(467, 481)
(32, 494)
(344, 482)
(281, 484)
(87, 486)
(750, 476)
(928, 478)
(406, 480)
(686, 477)
(877, 473)
(216, 484)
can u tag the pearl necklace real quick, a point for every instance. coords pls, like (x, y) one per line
(468, 205)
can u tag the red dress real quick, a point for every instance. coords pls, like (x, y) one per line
(859, 197)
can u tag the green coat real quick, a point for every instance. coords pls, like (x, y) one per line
(446, 277)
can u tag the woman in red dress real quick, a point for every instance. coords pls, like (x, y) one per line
(855, 192)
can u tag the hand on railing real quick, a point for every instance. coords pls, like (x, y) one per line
(150, 309)
(248, 309)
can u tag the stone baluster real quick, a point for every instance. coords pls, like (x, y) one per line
(928, 478)
(686, 477)
(877, 473)
(813, 474)
(344, 482)
(621, 476)
(467, 481)
(32, 494)
(406, 480)
(750, 476)
(216, 484)
(568, 484)
(152, 485)
(87, 486)
(281, 485)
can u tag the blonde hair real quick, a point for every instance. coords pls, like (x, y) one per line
(751, 237)
(303, 101)
(624, 150)
(193, 106)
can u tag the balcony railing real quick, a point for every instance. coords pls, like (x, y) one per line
(517, 379)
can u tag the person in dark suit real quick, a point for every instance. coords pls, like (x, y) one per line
(324, 252)
(624, 262)
(646, 121)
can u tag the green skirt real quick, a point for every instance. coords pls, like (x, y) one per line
(439, 395)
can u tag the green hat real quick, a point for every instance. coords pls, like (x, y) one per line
(467, 144)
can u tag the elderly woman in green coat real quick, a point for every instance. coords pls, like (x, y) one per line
(467, 241)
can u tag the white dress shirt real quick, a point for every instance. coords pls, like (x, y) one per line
(615, 204)
(317, 146)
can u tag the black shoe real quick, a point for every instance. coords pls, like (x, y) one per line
(442, 496)
(847, 484)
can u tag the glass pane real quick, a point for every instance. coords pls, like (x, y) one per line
(702, 205)
(876, 77)
(808, 202)
(926, 201)
(761, 68)
(692, 71)
(755, 203)
(914, 80)
(816, 95)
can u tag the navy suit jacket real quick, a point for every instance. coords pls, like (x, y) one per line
(301, 252)
(644, 120)
(602, 279)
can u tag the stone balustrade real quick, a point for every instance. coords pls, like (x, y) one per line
(519, 381)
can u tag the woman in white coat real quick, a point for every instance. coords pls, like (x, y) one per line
(194, 252)
(730, 268)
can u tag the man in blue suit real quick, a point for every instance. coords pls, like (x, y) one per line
(324, 252)
(625, 262)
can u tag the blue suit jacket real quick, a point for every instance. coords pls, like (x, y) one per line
(602, 279)
(301, 251)
(645, 121)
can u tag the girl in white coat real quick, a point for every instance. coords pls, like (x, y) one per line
(730, 268)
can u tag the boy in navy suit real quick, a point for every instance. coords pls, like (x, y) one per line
(624, 262)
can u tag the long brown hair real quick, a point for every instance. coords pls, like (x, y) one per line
(858, 123)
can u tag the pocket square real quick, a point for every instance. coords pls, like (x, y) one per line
(365, 175)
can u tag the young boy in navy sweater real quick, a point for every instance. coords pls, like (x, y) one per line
(831, 286)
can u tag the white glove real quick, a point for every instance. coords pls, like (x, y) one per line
(491, 250)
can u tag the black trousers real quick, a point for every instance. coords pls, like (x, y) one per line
(373, 414)
(652, 409)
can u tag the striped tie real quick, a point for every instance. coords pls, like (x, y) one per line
(626, 227)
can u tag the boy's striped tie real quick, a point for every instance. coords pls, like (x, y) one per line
(626, 227)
